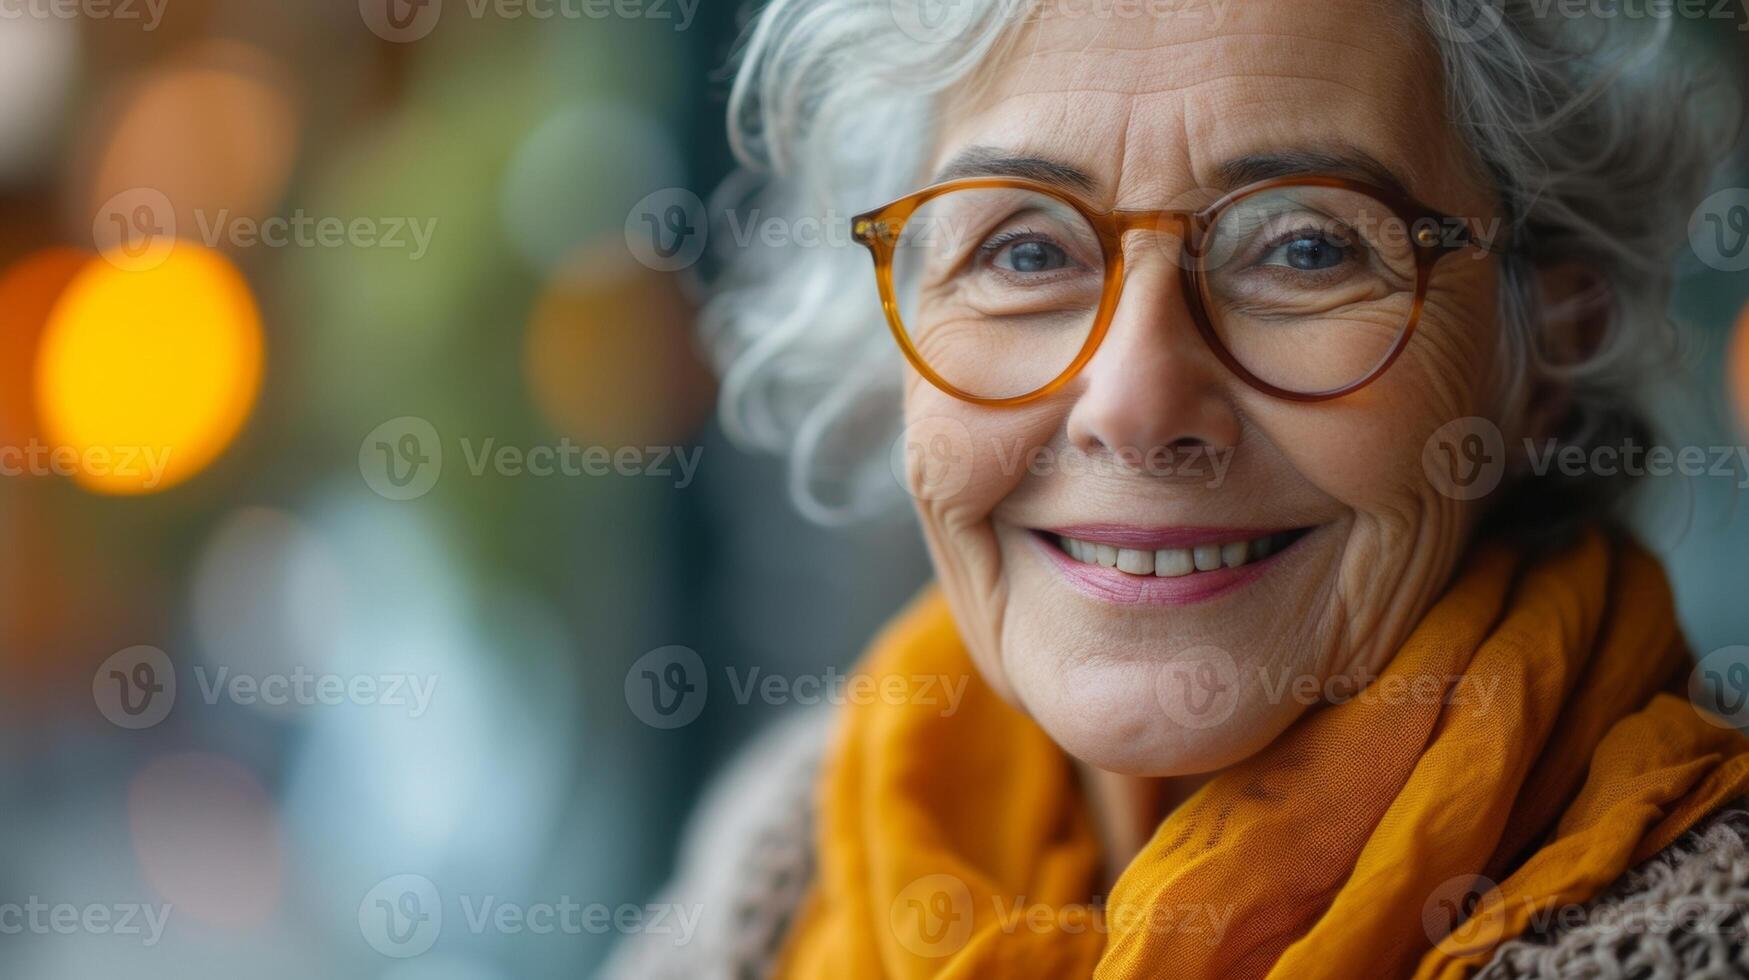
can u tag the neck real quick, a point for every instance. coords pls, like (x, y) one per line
(1127, 809)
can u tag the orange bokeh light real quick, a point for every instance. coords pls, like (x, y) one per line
(608, 354)
(160, 366)
(28, 291)
(215, 132)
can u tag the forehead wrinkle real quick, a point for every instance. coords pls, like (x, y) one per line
(1381, 29)
(1331, 19)
(1154, 47)
(1053, 122)
(1069, 71)
(1182, 89)
(1052, 98)
(1396, 133)
(1064, 124)
(1051, 89)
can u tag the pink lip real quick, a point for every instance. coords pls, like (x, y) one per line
(1111, 585)
(1155, 538)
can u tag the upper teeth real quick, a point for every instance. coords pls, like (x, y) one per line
(1169, 562)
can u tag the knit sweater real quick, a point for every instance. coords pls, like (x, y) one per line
(747, 861)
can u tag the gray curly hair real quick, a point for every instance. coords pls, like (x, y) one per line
(1597, 144)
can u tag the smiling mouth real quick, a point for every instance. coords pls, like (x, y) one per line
(1133, 557)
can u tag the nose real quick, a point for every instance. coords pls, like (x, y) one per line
(1154, 386)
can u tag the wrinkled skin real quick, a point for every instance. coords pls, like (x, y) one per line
(1150, 108)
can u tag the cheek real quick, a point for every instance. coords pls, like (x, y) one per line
(1456, 348)
(959, 463)
(1367, 449)
(959, 460)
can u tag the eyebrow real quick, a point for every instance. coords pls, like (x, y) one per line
(1339, 161)
(1342, 161)
(984, 161)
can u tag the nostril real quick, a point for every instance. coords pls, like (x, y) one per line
(1092, 443)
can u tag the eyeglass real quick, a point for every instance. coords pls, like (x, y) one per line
(1000, 289)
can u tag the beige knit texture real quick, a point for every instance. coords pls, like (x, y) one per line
(1681, 914)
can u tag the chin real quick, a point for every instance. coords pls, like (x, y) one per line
(1148, 718)
(1191, 683)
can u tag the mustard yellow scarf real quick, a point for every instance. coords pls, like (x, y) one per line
(958, 843)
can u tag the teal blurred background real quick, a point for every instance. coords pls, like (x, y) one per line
(303, 531)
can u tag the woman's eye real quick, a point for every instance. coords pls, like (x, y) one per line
(1030, 255)
(1308, 252)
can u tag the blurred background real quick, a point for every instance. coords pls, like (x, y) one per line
(359, 481)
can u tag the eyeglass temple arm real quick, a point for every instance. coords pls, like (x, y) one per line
(1472, 237)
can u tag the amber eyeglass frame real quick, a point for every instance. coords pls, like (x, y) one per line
(878, 230)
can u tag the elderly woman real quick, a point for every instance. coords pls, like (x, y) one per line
(1218, 332)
